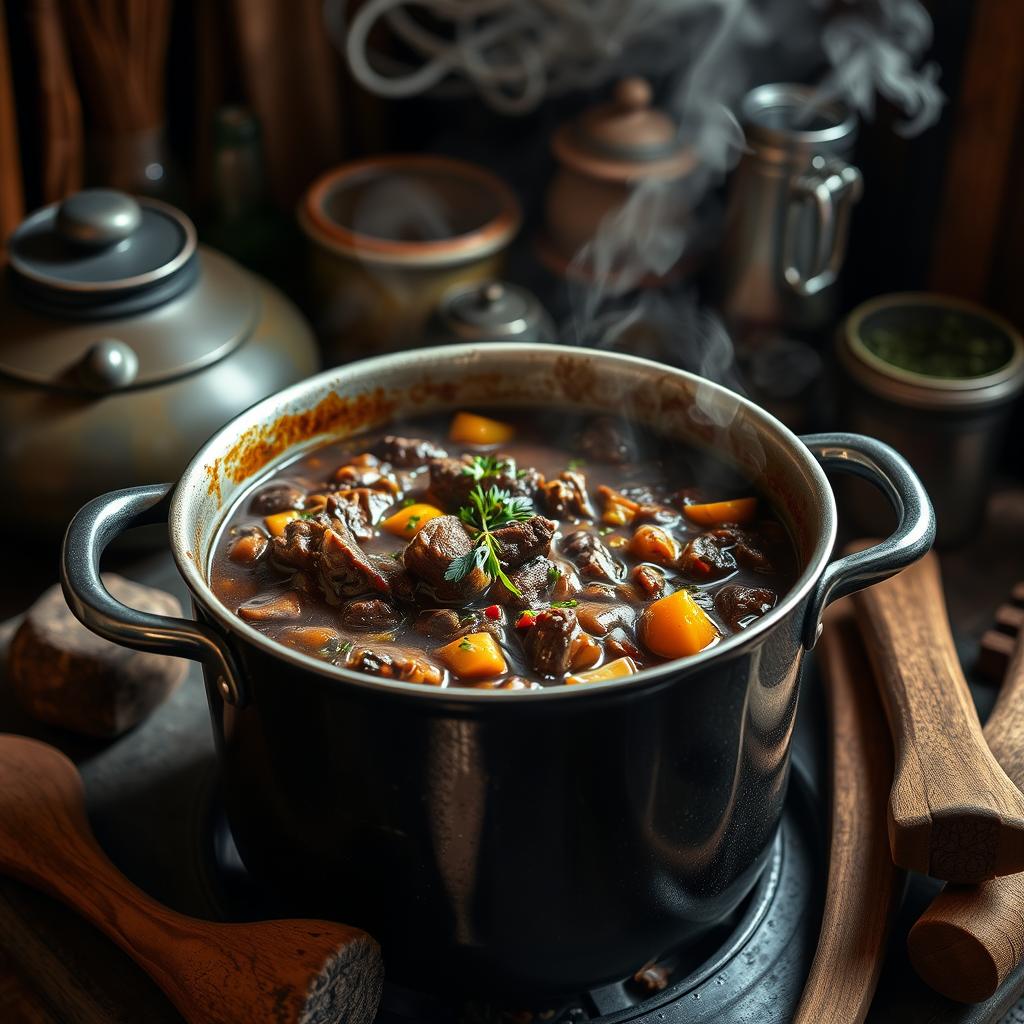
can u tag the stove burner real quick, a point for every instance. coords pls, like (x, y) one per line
(749, 967)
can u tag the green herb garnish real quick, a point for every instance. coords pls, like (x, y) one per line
(605, 530)
(486, 513)
(345, 647)
(465, 645)
(565, 604)
(408, 501)
(484, 466)
(554, 575)
(577, 463)
(410, 523)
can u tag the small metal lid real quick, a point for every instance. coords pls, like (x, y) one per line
(102, 248)
(493, 310)
(919, 390)
(625, 139)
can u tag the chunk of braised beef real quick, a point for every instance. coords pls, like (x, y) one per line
(599, 619)
(345, 570)
(299, 546)
(277, 497)
(567, 497)
(607, 439)
(433, 549)
(595, 591)
(409, 668)
(450, 482)
(708, 557)
(521, 542)
(566, 583)
(370, 615)
(359, 508)
(548, 642)
(739, 605)
(648, 581)
(619, 644)
(508, 683)
(407, 452)
(590, 555)
(747, 549)
(534, 581)
(438, 623)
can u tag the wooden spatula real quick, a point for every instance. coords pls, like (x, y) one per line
(289, 972)
(863, 885)
(972, 937)
(953, 813)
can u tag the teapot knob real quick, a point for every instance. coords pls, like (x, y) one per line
(633, 93)
(110, 364)
(97, 217)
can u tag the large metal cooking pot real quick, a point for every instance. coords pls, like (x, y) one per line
(511, 842)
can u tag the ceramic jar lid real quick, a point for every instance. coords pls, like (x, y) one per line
(104, 291)
(495, 311)
(624, 140)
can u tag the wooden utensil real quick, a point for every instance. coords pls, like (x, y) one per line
(863, 884)
(970, 938)
(953, 813)
(289, 972)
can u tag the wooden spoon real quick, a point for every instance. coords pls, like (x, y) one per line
(971, 938)
(863, 884)
(953, 813)
(289, 972)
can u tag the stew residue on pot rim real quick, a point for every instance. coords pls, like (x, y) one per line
(512, 553)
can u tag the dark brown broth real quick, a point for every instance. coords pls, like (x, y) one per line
(545, 441)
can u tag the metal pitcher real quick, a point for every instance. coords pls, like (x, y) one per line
(789, 210)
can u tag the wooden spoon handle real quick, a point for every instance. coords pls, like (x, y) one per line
(287, 971)
(863, 884)
(970, 938)
(953, 813)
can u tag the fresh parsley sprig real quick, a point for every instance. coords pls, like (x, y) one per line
(486, 513)
(483, 466)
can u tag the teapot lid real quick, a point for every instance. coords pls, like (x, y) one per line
(105, 292)
(624, 140)
(493, 310)
(102, 252)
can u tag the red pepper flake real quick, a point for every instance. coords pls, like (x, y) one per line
(525, 620)
(492, 611)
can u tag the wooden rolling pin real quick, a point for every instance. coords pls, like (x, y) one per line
(953, 813)
(863, 884)
(289, 972)
(971, 937)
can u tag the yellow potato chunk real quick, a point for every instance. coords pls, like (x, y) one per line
(408, 521)
(474, 656)
(469, 428)
(612, 670)
(676, 626)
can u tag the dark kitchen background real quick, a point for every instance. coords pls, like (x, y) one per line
(241, 112)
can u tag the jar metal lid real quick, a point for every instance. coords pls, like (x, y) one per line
(919, 390)
(97, 244)
(493, 310)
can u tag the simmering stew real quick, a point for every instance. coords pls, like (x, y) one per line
(506, 552)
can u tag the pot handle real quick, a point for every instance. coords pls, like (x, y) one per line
(94, 526)
(911, 540)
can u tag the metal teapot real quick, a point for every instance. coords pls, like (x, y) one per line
(125, 344)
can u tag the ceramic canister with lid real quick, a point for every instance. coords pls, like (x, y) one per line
(125, 345)
(950, 428)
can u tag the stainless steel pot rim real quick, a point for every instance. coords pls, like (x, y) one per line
(192, 565)
(920, 389)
